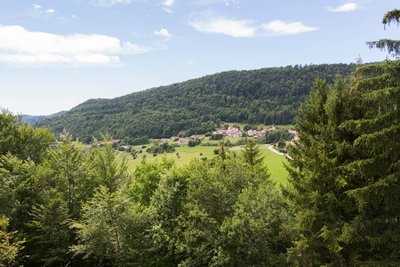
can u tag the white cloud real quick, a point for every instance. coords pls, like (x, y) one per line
(278, 27)
(163, 33)
(50, 11)
(347, 7)
(36, 6)
(19, 46)
(230, 27)
(108, 3)
(167, 5)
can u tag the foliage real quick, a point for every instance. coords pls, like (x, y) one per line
(194, 142)
(344, 172)
(391, 46)
(101, 231)
(317, 188)
(374, 172)
(21, 140)
(252, 154)
(277, 135)
(161, 148)
(51, 233)
(269, 96)
(216, 136)
(9, 247)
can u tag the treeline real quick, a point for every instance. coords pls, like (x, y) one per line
(269, 96)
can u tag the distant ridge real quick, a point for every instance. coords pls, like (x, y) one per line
(269, 95)
(33, 119)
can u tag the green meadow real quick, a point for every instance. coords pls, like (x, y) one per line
(184, 154)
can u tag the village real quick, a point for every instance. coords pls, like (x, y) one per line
(232, 132)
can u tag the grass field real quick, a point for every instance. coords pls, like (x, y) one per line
(273, 161)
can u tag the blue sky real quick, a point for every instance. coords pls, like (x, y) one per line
(55, 54)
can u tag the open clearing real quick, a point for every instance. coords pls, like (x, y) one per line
(184, 154)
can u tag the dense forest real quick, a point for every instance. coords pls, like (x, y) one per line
(65, 204)
(269, 96)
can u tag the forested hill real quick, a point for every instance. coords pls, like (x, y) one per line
(269, 95)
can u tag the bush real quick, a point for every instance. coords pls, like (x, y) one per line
(194, 142)
(278, 135)
(161, 148)
(250, 127)
(216, 136)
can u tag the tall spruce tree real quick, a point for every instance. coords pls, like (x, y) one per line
(317, 189)
(375, 230)
(345, 172)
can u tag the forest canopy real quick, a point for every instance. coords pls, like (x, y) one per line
(264, 96)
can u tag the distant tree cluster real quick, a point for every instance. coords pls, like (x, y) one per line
(278, 135)
(160, 148)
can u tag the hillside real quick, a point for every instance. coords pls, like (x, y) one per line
(269, 95)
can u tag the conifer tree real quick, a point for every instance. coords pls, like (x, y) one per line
(392, 46)
(252, 154)
(317, 188)
(345, 173)
(375, 229)
(375, 170)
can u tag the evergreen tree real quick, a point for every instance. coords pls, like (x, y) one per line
(392, 46)
(252, 154)
(375, 171)
(345, 176)
(318, 184)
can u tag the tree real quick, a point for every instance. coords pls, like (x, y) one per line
(374, 230)
(52, 235)
(374, 171)
(106, 167)
(9, 247)
(146, 180)
(167, 205)
(19, 194)
(66, 170)
(21, 140)
(223, 196)
(344, 176)
(101, 231)
(392, 46)
(256, 234)
(251, 153)
(318, 185)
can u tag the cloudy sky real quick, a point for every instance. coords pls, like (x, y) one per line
(55, 54)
